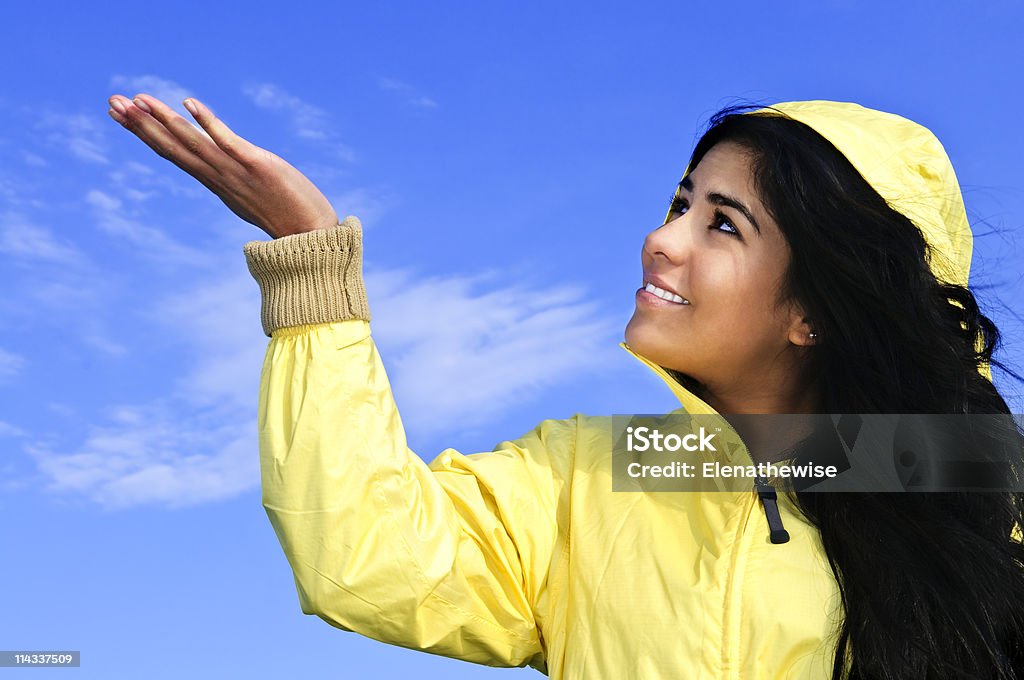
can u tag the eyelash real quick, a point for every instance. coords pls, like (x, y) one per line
(720, 217)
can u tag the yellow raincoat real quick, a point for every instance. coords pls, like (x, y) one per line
(525, 555)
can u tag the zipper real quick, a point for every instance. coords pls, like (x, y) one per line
(769, 500)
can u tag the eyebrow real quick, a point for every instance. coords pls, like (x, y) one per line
(721, 199)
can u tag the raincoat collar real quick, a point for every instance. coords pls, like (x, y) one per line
(734, 451)
(691, 402)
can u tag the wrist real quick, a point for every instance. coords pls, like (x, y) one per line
(325, 223)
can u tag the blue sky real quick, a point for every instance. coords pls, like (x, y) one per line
(506, 160)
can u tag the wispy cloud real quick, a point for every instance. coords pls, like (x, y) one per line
(454, 343)
(58, 277)
(22, 238)
(93, 333)
(9, 430)
(138, 182)
(111, 217)
(7, 192)
(65, 295)
(146, 455)
(457, 343)
(83, 136)
(167, 91)
(309, 121)
(10, 365)
(197, 443)
(408, 93)
(366, 204)
(78, 134)
(33, 159)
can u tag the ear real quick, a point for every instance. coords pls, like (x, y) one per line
(801, 329)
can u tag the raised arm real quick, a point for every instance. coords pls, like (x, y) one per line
(451, 558)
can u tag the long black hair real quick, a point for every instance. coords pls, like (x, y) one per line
(932, 584)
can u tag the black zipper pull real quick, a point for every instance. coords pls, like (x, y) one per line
(769, 499)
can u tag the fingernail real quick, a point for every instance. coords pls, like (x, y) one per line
(118, 106)
(116, 116)
(142, 105)
(190, 105)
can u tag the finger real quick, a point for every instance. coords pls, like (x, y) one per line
(193, 139)
(238, 148)
(157, 137)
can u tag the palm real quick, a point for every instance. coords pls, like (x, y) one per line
(257, 185)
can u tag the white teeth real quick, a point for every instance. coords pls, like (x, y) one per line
(665, 295)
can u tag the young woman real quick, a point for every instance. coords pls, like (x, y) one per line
(814, 260)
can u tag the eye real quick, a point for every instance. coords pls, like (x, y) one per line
(721, 219)
(679, 205)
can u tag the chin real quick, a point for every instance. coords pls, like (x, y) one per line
(658, 349)
(647, 344)
(634, 334)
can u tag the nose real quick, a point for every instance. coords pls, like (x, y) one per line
(671, 241)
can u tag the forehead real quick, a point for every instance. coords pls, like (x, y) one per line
(726, 165)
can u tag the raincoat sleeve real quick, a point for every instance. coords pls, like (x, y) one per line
(450, 558)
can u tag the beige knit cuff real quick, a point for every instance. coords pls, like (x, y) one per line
(312, 277)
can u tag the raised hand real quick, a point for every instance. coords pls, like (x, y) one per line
(258, 186)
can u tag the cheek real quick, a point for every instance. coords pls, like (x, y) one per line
(738, 297)
(723, 284)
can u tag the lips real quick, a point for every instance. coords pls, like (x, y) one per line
(658, 282)
(659, 294)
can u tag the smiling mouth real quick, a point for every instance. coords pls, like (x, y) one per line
(665, 295)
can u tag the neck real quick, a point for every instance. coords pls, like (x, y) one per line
(770, 421)
(784, 392)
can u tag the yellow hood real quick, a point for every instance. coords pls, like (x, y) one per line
(907, 165)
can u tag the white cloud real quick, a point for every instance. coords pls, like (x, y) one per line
(9, 430)
(79, 134)
(309, 121)
(7, 191)
(155, 458)
(67, 295)
(408, 93)
(198, 443)
(33, 160)
(167, 91)
(92, 334)
(23, 239)
(424, 102)
(103, 202)
(366, 204)
(219, 321)
(156, 244)
(453, 344)
(454, 349)
(138, 182)
(63, 409)
(57, 277)
(10, 364)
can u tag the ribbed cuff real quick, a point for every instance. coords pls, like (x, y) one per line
(312, 277)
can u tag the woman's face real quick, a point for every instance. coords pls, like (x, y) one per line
(726, 257)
